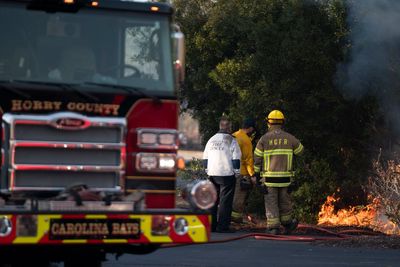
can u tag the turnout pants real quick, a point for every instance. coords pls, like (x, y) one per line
(241, 196)
(278, 207)
(221, 212)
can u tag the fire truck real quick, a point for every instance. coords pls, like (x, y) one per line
(89, 133)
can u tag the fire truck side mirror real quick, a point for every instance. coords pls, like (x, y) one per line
(178, 42)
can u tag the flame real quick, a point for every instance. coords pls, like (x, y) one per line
(370, 216)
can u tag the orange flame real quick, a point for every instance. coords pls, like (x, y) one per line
(370, 216)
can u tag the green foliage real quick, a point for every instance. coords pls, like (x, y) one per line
(246, 58)
(195, 171)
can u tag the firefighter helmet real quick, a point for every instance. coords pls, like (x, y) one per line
(275, 117)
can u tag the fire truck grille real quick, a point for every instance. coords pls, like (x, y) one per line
(52, 152)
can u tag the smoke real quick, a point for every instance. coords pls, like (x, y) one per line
(373, 67)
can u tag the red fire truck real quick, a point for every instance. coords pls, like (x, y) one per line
(89, 132)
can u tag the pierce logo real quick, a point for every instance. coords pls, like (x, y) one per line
(70, 123)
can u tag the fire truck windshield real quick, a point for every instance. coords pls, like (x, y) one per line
(90, 46)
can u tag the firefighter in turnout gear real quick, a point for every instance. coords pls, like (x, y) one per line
(273, 159)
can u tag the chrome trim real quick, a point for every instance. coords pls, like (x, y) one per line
(105, 122)
(13, 119)
(157, 155)
(105, 146)
(157, 131)
(50, 189)
(84, 168)
(8, 226)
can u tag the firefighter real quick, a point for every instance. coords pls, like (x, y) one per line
(244, 183)
(221, 158)
(273, 159)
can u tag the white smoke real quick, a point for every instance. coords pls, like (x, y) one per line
(374, 61)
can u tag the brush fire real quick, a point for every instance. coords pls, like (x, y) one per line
(370, 216)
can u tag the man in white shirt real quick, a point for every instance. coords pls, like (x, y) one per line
(221, 158)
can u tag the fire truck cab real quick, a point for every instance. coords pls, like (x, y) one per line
(89, 132)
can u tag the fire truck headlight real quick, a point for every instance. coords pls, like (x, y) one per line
(155, 138)
(147, 161)
(5, 226)
(27, 225)
(156, 162)
(168, 139)
(181, 226)
(148, 138)
(203, 195)
(167, 162)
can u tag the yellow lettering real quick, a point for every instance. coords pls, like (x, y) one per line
(98, 108)
(104, 229)
(132, 228)
(55, 228)
(47, 105)
(275, 141)
(115, 109)
(285, 141)
(80, 106)
(62, 229)
(71, 106)
(37, 105)
(16, 105)
(89, 107)
(27, 105)
(115, 228)
(57, 105)
(70, 228)
(270, 142)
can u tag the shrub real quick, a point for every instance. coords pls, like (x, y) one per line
(384, 185)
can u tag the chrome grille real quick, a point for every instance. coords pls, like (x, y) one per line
(43, 155)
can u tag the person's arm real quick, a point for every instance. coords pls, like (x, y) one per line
(247, 157)
(205, 157)
(258, 156)
(298, 148)
(236, 155)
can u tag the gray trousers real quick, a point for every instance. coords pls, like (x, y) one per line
(278, 207)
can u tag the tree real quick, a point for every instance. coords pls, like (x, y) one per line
(246, 58)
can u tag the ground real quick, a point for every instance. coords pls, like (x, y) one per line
(334, 236)
(349, 236)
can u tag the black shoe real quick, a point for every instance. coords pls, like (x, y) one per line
(272, 231)
(289, 228)
(225, 230)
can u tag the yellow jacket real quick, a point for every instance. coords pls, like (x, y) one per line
(246, 147)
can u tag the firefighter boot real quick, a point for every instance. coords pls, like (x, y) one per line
(290, 227)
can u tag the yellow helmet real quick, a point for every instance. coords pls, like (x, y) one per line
(275, 117)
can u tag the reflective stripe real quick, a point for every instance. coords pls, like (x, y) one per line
(286, 218)
(273, 222)
(256, 168)
(279, 151)
(299, 149)
(277, 184)
(277, 174)
(258, 152)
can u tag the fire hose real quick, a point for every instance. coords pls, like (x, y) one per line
(345, 234)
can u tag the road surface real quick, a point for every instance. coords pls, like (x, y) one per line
(252, 252)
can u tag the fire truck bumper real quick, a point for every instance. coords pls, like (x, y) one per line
(104, 229)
